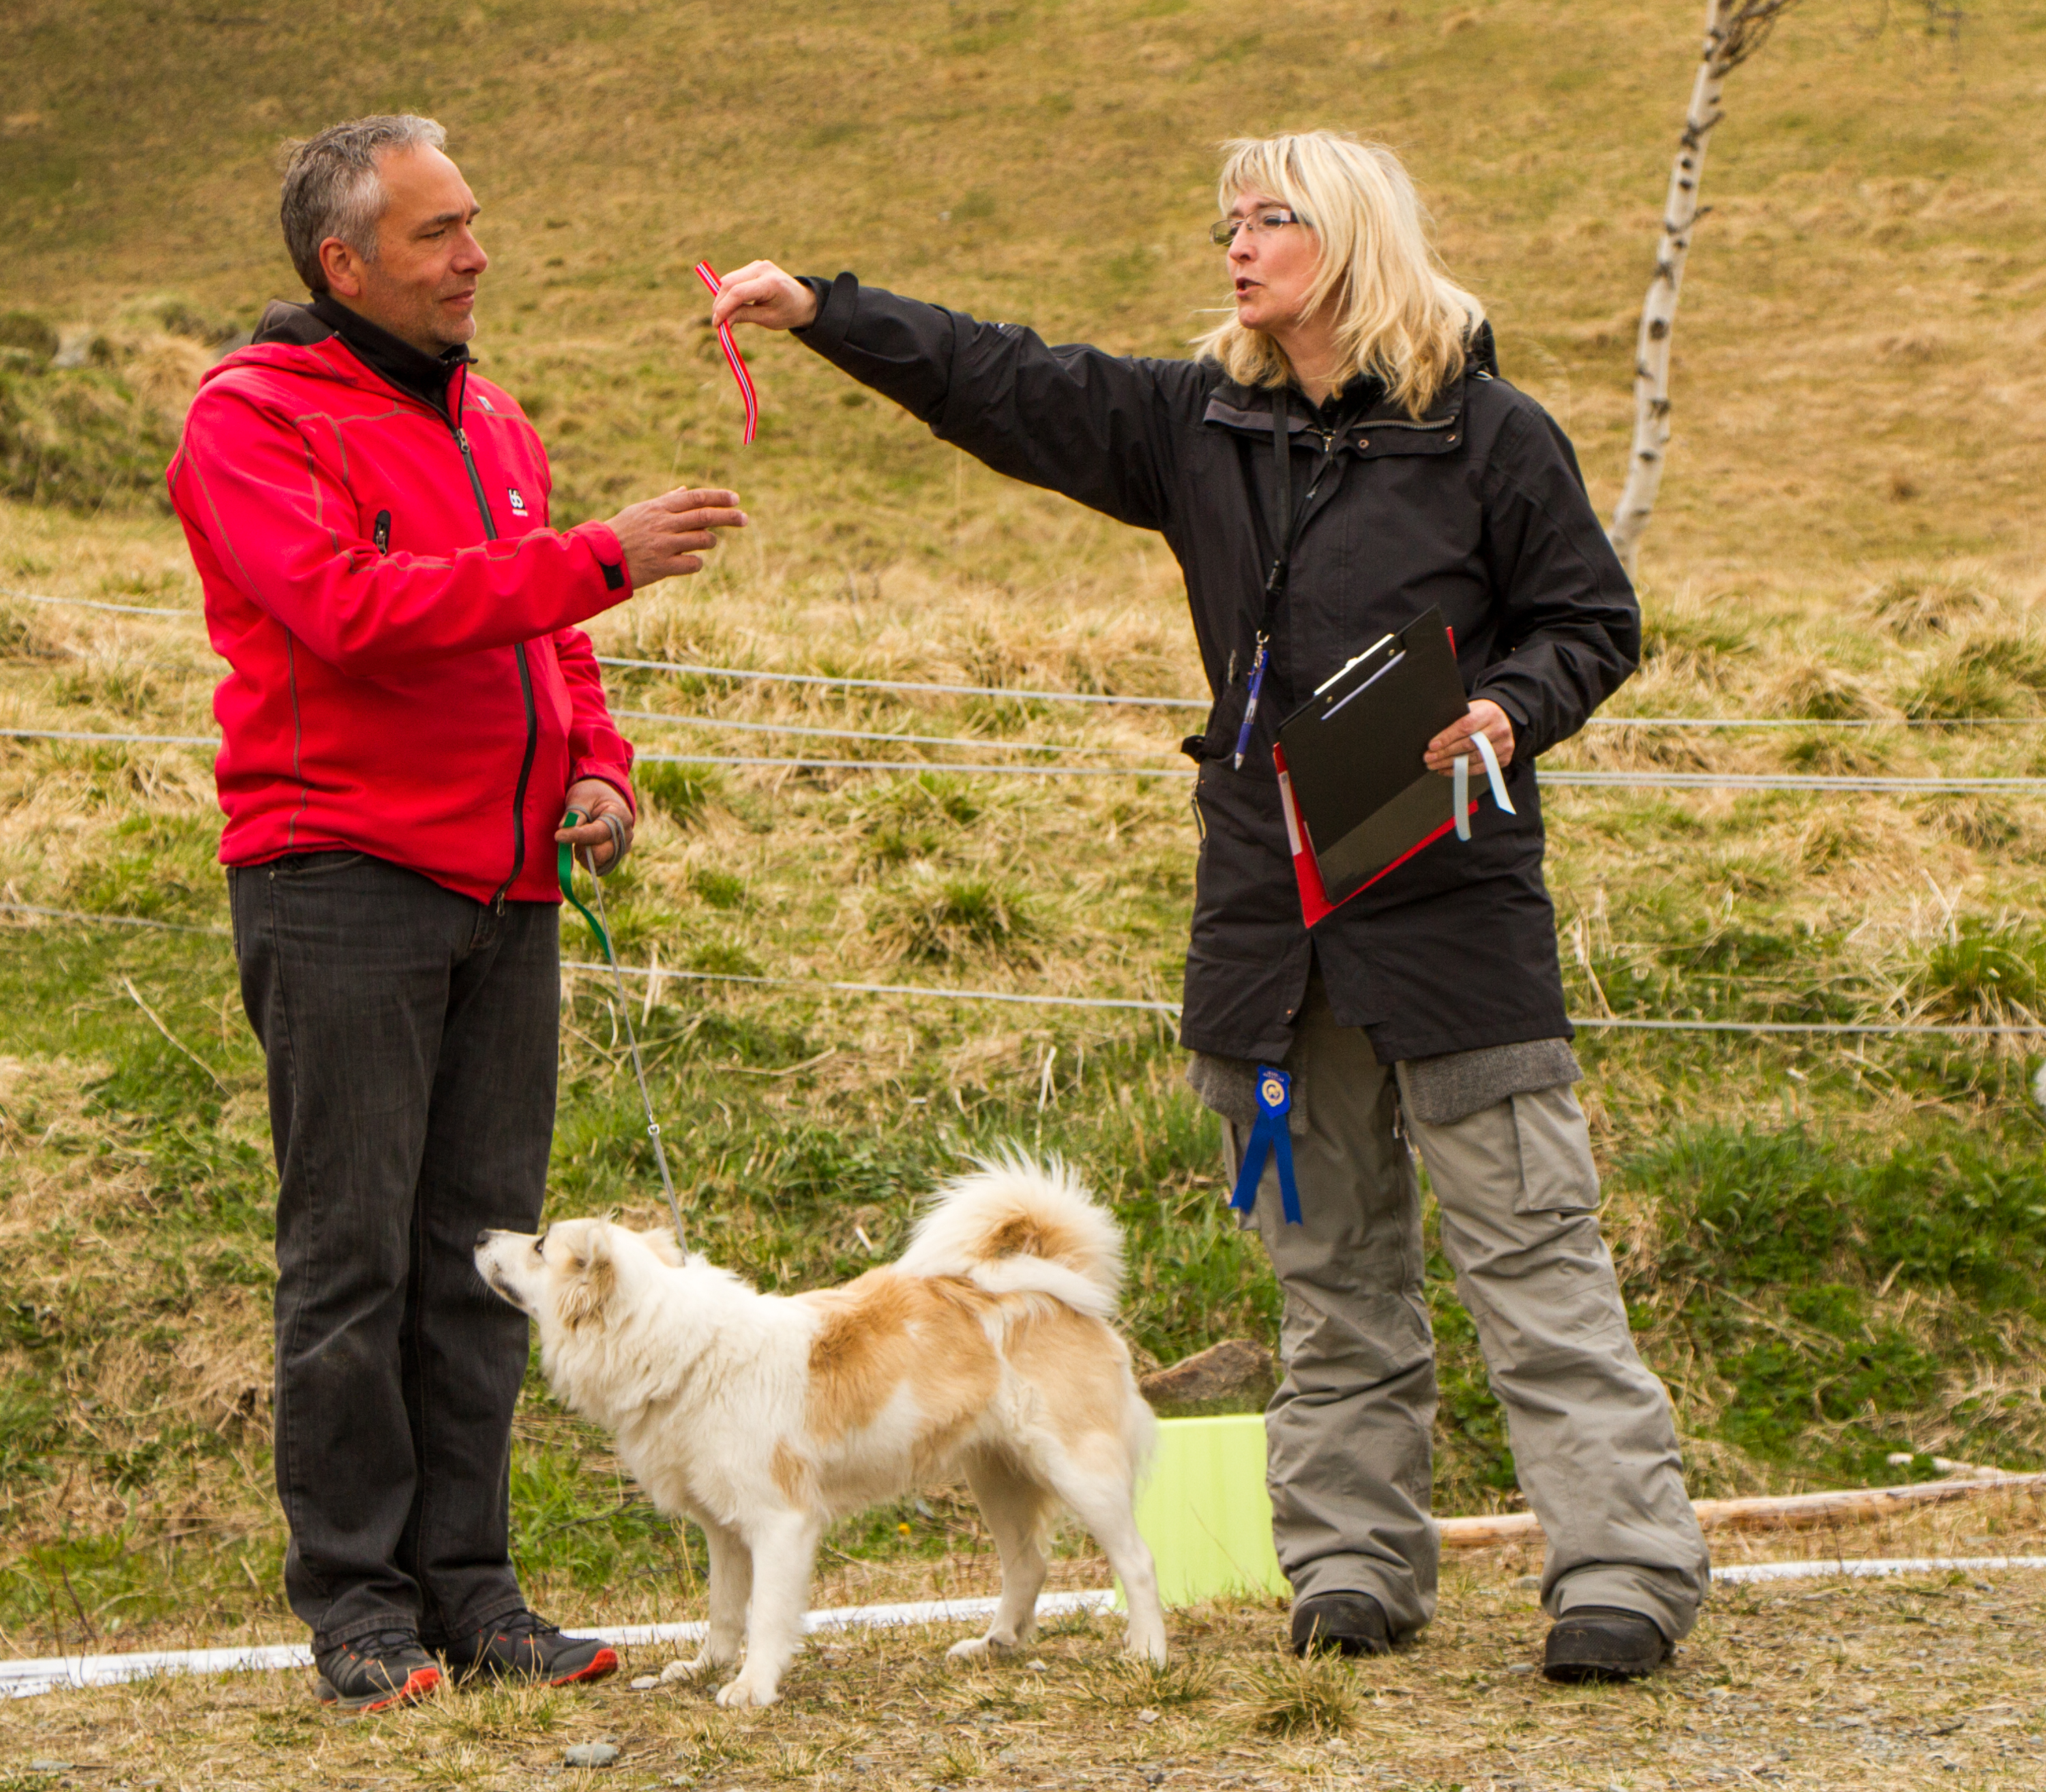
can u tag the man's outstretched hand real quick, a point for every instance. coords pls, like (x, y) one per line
(667, 535)
(760, 293)
(591, 839)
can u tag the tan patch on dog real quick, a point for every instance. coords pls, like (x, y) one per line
(887, 1329)
(792, 1475)
(593, 1279)
(1077, 1363)
(1026, 1234)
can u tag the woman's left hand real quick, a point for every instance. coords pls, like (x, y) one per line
(1486, 718)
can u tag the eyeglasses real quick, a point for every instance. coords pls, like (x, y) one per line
(1268, 222)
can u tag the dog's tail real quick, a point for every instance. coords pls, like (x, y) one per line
(1015, 1226)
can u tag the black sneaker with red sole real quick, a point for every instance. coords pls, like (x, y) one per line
(377, 1673)
(525, 1647)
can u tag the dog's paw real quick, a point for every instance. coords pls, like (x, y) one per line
(680, 1669)
(973, 1649)
(740, 1694)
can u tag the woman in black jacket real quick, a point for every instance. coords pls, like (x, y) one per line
(1416, 478)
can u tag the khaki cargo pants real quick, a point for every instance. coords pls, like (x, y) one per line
(1349, 1432)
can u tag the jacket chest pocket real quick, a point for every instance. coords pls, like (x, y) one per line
(1381, 438)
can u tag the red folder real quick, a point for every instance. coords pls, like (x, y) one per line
(1315, 903)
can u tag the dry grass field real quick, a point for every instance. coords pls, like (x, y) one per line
(1832, 1249)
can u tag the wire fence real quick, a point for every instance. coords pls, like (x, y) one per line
(922, 687)
(982, 741)
(664, 973)
(91, 603)
(1006, 692)
(1811, 781)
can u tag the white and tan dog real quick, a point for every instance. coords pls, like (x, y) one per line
(985, 1352)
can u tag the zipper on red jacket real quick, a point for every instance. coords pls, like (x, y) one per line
(518, 651)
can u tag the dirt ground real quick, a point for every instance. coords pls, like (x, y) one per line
(1924, 1678)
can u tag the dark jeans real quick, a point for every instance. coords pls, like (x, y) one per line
(411, 1036)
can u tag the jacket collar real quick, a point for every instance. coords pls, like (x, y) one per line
(1237, 406)
(416, 374)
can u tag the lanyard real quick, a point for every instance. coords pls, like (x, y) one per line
(1288, 539)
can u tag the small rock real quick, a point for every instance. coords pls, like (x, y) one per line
(861, 1764)
(1147, 1717)
(49, 1767)
(1234, 1376)
(1036, 1668)
(1522, 1667)
(591, 1754)
(1533, 1582)
(647, 1682)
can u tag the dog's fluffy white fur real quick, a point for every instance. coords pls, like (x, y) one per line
(984, 1351)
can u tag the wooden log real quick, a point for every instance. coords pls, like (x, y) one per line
(1786, 1512)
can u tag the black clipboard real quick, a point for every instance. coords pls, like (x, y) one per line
(1352, 755)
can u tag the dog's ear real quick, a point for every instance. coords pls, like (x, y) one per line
(592, 1276)
(661, 1241)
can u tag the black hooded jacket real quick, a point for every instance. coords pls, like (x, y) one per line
(1478, 508)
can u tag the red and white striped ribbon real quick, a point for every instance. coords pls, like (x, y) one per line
(705, 273)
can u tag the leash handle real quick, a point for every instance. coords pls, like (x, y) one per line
(565, 871)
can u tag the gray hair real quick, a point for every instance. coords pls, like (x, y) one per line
(331, 187)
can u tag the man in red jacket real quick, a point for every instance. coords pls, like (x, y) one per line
(409, 711)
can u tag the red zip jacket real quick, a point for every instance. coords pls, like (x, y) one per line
(407, 681)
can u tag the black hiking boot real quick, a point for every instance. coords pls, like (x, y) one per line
(1348, 1624)
(374, 1673)
(1603, 1642)
(524, 1646)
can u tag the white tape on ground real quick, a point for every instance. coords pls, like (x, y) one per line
(1748, 1574)
(870, 1617)
(49, 1674)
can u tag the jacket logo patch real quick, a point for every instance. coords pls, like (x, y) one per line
(518, 500)
(483, 398)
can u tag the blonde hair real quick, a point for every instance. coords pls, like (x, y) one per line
(1402, 319)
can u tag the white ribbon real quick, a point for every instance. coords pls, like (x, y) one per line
(1460, 794)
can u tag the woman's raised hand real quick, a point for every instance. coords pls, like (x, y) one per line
(760, 293)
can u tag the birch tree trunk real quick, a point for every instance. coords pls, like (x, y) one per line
(1734, 29)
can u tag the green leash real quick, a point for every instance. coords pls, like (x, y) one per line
(565, 870)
